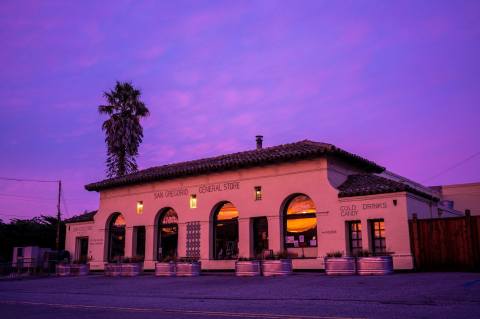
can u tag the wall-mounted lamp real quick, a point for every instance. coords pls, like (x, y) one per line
(258, 192)
(193, 201)
(139, 208)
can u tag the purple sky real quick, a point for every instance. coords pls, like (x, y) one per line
(394, 81)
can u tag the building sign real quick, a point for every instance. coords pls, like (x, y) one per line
(171, 193)
(353, 210)
(350, 210)
(218, 187)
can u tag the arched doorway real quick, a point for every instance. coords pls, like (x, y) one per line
(225, 231)
(167, 234)
(116, 237)
(300, 225)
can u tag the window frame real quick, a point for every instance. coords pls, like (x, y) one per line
(351, 249)
(382, 248)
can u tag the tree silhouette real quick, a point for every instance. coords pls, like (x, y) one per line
(123, 131)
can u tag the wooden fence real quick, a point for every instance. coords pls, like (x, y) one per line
(446, 243)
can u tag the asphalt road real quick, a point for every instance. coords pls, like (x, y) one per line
(302, 295)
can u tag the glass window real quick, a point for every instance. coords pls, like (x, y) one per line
(226, 232)
(378, 236)
(300, 223)
(355, 237)
(167, 240)
(116, 238)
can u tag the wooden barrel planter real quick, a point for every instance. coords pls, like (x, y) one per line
(113, 270)
(131, 269)
(79, 269)
(336, 266)
(380, 265)
(248, 268)
(165, 269)
(282, 267)
(188, 269)
(62, 270)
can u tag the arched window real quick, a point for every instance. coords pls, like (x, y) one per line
(167, 240)
(300, 223)
(225, 232)
(116, 237)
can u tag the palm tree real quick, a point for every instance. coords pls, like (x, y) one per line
(123, 131)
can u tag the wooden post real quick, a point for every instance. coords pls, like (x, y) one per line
(415, 243)
(57, 242)
(469, 239)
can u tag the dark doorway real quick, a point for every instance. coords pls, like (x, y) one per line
(260, 235)
(139, 233)
(81, 250)
(167, 241)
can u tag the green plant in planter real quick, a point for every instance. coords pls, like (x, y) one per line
(368, 253)
(335, 254)
(167, 259)
(188, 259)
(246, 259)
(133, 260)
(278, 255)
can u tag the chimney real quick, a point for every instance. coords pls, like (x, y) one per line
(259, 139)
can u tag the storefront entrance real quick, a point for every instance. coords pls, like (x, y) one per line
(116, 238)
(167, 240)
(81, 250)
(139, 243)
(260, 235)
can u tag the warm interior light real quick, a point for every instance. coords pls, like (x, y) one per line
(258, 192)
(301, 225)
(139, 207)
(193, 201)
(227, 212)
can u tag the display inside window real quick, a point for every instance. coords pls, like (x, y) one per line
(226, 232)
(355, 237)
(300, 223)
(378, 236)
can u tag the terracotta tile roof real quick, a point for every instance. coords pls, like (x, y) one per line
(370, 184)
(85, 217)
(277, 154)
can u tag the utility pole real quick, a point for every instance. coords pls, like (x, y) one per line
(58, 215)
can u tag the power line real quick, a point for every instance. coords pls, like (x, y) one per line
(25, 197)
(453, 166)
(26, 180)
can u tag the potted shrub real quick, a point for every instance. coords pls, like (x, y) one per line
(188, 267)
(374, 264)
(78, 268)
(248, 267)
(62, 269)
(337, 264)
(114, 268)
(132, 266)
(166, 267)
(278, 264)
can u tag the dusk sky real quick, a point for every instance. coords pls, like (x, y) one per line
(394, 81)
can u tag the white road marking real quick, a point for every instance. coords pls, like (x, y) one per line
(181, 311)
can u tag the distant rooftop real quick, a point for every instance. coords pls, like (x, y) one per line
(85, 217)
